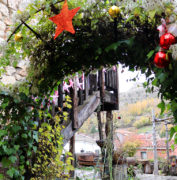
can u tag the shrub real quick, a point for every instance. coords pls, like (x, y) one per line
(130, 147)
(143, 121)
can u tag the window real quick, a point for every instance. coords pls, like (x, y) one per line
(143, 155)
(97, 151)
(82, 151)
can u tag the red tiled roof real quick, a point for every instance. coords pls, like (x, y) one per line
(146, 140)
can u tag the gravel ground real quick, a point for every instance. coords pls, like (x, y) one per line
(152, 177)
(87, 175)
(90, 175)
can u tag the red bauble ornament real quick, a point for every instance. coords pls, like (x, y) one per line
(161, 59)
(119, 117)
(166, 40)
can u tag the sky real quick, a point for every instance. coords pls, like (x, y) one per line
(125, 75)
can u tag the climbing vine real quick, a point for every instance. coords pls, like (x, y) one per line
(93, 46)
(31, 141)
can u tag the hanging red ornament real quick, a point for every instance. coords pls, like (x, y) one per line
(64, 20)
(161, 59)
(166, 40)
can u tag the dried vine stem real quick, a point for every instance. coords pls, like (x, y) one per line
(36, 34)
(41, 9)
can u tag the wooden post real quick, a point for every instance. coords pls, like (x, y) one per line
(75, 124)
(154, 145)
(100, 127)
(167, 145)
(72, 150)
(81, 99)
(109, 146)
(91, 84)
(117, 85)
(102, 90)
(86, 87)
(60, 96)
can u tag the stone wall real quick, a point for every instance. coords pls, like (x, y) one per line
(8, 9)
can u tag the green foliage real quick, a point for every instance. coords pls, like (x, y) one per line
(17, 142)
(143, 121)
(130, 172)
(48, 62)
(48, 163)
(130, 147)
(137, 114)
(92, 46)
(30, 147)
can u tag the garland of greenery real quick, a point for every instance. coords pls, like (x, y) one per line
(92, 47)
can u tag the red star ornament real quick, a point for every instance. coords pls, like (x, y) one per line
(64, 20)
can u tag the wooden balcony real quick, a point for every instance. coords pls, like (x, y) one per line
(100, 90)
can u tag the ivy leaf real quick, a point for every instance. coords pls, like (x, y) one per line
(150, 54)
(175, 139)
(13, 159)
(1, 176)
(162, 107)
(16, 128)
(11, 172)
(8, 151)
(35, 135)
(24, 136)
(172, 147)
(172, 132)
(35, 149)
(4, 105)
(173, 105)
(5, 162)
(3, 133)
(77, 178)
(27, 163)
(154, 82)
(115, 45)
(152, 13)
(162, 77)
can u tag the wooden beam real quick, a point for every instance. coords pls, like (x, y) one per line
(162, 120)
(74, 105)
(84, 112)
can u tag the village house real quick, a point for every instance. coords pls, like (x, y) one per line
(145, 150)
(84, 144)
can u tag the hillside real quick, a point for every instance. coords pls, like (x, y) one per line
(137, 93)
(135, 111)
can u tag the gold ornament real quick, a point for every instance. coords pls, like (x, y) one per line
(114, 11)
(18, 37)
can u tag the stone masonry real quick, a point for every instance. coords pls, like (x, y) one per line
(8, 8)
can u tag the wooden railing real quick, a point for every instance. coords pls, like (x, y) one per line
(99, 88)
(93, 83)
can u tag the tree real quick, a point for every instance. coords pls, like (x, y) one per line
(130, 147)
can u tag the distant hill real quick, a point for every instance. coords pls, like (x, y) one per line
(135, 112)
(137, 93)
